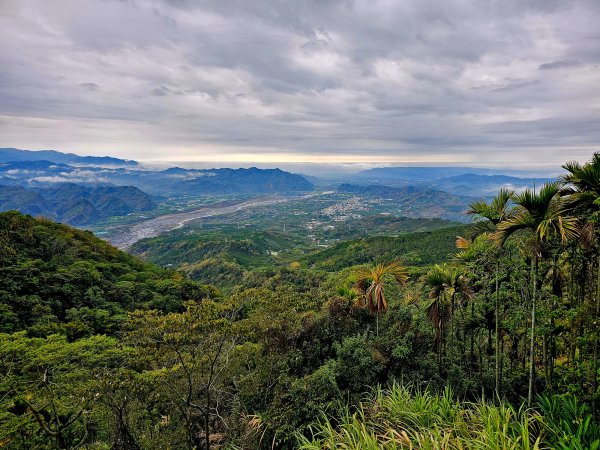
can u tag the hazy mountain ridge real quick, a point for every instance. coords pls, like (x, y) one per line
(46, 167)
(15, 154)
(226, 181)
(486, 185)
(75, 204)
(427, 173)
(417, 173)
(466, 181)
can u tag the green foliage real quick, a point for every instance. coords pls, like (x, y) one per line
(50, 388)
(103, 350)
(357, 363)
(415, 249)
(403, 418)
(570, 423)
(55, 279)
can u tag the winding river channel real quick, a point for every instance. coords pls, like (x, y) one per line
(124, 237)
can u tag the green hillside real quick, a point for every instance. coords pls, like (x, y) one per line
(231, 257)
(54, 278)
(414, 249)
(74, 204)
(245, 247)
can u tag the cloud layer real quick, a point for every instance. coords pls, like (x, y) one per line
(464, 81)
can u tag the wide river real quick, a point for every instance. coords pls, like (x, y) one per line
(124, 237)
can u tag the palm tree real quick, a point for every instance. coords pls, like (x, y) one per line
(447, 285)
(437, 310)
(581, 191)
(541, 216)
(370, 281)
(581, 188)
(493, 213)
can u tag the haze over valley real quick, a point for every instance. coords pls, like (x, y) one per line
(124, 201)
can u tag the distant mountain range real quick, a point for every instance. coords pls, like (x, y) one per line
(417, 173)
(83, 189)
(15, 154)
(468, 181)
(424, 173)
(414, 201)
(233, 181)
(47, 167)
(80, 190)
(75, 204)
(485, 185)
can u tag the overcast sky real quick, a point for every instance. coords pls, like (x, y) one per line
(503, 82)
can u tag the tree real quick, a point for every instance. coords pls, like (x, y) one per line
(189, 356)
(498, 210)
(581, 188)
(437, 310)
(370, 280)
(493, 213)
(447, 284)
(581, 192)
(541, 215)
(50, 388)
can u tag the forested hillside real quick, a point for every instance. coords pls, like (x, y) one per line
(225, 256)
(56, 279)
(460, 338)
(74, 204)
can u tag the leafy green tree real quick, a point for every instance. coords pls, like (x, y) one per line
(447, 285)
(189, 355)
(581, 194)
(50, 388)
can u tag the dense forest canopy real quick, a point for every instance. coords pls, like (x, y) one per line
(490, 344)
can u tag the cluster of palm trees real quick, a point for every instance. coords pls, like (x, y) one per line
(547, 225)
(556, 230)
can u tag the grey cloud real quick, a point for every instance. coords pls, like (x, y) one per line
(516, 84)
(90, 86)
(559, 64)
(164, 90)
(365, 78)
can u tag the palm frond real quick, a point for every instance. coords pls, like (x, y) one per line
(462, 243)
(522, 220)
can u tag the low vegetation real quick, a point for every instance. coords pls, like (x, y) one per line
(405, 418)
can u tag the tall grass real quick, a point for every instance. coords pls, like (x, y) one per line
(405, 418)
(569, 423)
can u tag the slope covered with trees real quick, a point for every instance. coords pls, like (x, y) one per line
(495, 347)
(75, 204)
(55, 279)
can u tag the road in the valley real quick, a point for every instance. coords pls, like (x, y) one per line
(125, 237)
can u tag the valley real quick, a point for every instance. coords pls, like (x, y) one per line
(125, 236)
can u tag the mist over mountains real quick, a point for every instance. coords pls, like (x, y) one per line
(15, 154)
(48, 166)
(82, 190)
